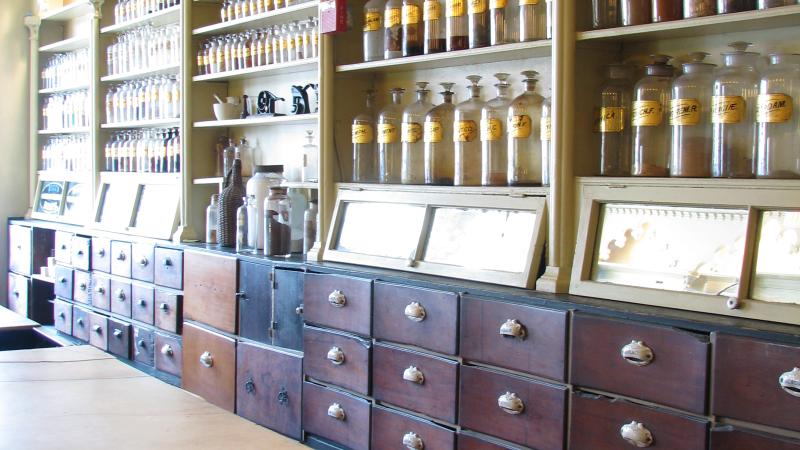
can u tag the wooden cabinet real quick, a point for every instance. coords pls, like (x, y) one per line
(80, 323)
(19, 249)
(63, 247)
(473, 441)
(98, 330)
(168, 311)
(288, 304)
(728, 438)
(121, 258)
(18, 293)
(142, 301)
(255, 301)
(62, 316)
(119, 338)
(340, 302)
(337, 358)
(393, 429)
(101, 292)
(121, 297)
(169, 267)
(211, 287)
(101, 254)
(143, 345)
(81, 253)
(335, 415)
(62, 286)
(209, 365)
(169, 354)
(142, 262)
(82, 287)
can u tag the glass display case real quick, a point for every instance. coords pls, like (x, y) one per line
(62, 199)
(140, 204)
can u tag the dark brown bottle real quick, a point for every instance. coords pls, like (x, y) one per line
(732, 6)
(666, 10)
(478, 18)
(635, 12)
(412, 28)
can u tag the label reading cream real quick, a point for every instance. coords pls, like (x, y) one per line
(466, 131)
(455, 8)
(410, 14)
(412, 132)
(774, 108)
(433, 132)
(372, 20)
(521, 126)
(612, 119)
(491, 129)
(362, 134)
(647, 113)
(684, 112)
(392, 18)
(546, 129)
(727, 109)
(432, 11)
(387, 133)
(497, 4)
(528, 2)
(477, 6)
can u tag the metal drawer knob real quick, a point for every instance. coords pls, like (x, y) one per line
(790, 382)
(62, 280)
(16, 294)
(101, 253)
(121, 295)
(79, 322)
(100, 290)
(337, 299)
(143, 262)
(63, 246)
(299, 310)
(163, 306)
(117, 333)
(206, 359)
(167, 262)
(121, 256)
(414, 311)
(637, 353)
(336, 411)
(97, 329)
(413, 375)
(512, 328)
(412, 441)
(636, 434)
(82, 286)
(80, 252)
(61, 314)
(166, 350)
(142, 302)
(510, 403)
(336, 356)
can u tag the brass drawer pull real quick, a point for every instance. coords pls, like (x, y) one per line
(636, 434)
(163, 307)
(166, 350)
(637, 353)
(143, 262)
(100, 290)
(414, 375)
(121, 256)
(416, 312)
(142, 302)
(511, 404)
(336, 356)
(790, 382)
(82, 286)
(337, 299)
(121, 295)
(336, 411)
(117, 333)
(167, 262)
(101, 253)
(97, 329)
(206, 359)
(412, 441)
(79, 322)
(512, 328)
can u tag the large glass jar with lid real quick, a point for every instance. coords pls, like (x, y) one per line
(365, 154)
(524, 135)
(433, 19)
(605, 14)
(258, 187)
(732, 6)
(456, 30)
(413, 147)
(733, 114)
(778, 118)
(438, 137)
(766, 4)
(277, 223)
(373, 30)
(532, 20)
(546, 133)
(650, 129)
(392, 29)
(389, 146)
(635, 12)
(494, 152)
(613, 121)
(466, 137)
(498, 22)
(690, 119)
(478, 19)
(412, 32)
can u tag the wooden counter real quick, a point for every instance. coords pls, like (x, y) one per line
(9, 320)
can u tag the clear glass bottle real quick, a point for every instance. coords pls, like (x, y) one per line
(365, 154)
(613, 121)
(373, 30)
(494, 152)
(245, 153)
(437, 135)
(310, 226)
(778, 118)
(434, 27)
(498, 21)
(392, 28)
(478, 23)
(605, 14)
(532, 20)
(466, 137)
(228, 155)
(212, 212)
(456, 30)
(389, 146)
(690, 119)
(546, 136)
(412, 29)
(651, 132)
(309, 171)
(277, 223)
(733, 114)
(413, 147)
(243, 241)
(258, 186)
(524, 135)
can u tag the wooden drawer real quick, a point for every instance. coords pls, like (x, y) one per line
(142, 262)
(119, 338)
(473, 441)
(746, 381)
(63, 248)
(121, 298)
(597, 424)
(210, 294)
(541, 422)
(518, 337)
(392, 430)
(101, 292)
(82, 287)
(415, 316)
(255, 301)
(62, 316)
(344, 303)
(395, 380)
(81, 253)
(169, 268)
(209, 365)
(19, 249)
(121, 258)
(168, 311)
(143, 345)
(142, 301)
(663, 365)
(80, 323)
(101, 254)
(18, 290)
(337, 358)
(728, 438)
(98, 330)
(269, 384)
(62, 286)
(334, 415)
(169, 354)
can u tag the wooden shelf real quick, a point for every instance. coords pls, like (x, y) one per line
(65, 131)
(163, 17)
(214, 180)
(261, 71)
(258, 121)
(141, 177)
(506, 52)
(300, 184)
(514, 191)
(40, 277)
(172, 69)
(66, 45)
(56, 90)
(657, 183)
(63, 175)
(278, 16)
(168, 123)
(69, 12)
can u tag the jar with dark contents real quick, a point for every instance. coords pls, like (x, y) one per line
(532, 20)
(412, 32)
(434, 36)
(605, 14)
(766, 4)
(699, 8)
(457, 33)
(497, 22)
(392, 28)
(478, 19)
(732, 6)
(635, 12)
(666, 10)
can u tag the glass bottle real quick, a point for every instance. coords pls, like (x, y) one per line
(373, 30)
(297, 204)
(310, 166)
(524, 133)
(243, 240)
(613, 125)
(766, 4)
(494, 153)
(532, 20)
(434, 27)
(690, 119)
(412, 32)
(733, 114)
(228, 155)
(497, 22)
(365, 154)
(699, 8)
(277, 223)
(778, 118)
(605, 14)
(478, 23)
(546, 136)
(457, 33)
(732, 6)
(310, 226)
(437, 136)
(389, 146)
(392, 28)
(258, 186)
(635, 12)
(651, 133)
(211, 220)
(666, 10)
(412, 145)
(466, 139)
(245, 153)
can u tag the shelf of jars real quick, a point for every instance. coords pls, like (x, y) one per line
(66, 175)
(155, 123)
(68, 12)
(165, 16)
(75, 130)
(300, 184)
(60, 89)
(72, 43)
(260, 20)
(253, 121)
(171, 69)
(260, 71)
(509, 191)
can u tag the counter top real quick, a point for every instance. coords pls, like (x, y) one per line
(9, 320)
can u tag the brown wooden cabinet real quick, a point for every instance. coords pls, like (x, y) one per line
(335, 415)
(340, 302)
(393, 429)
(209, 365)
(728, 438)
(337, 358)
(211, 287)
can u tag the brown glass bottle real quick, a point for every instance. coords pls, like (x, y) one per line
(478, 19)
(699, 8)
(666, 10)
(456, 27)
(635, 12)
(434, 27)
(412, 28)
(732, 6)
(392, 24)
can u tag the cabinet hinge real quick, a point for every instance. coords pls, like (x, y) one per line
(272, 280)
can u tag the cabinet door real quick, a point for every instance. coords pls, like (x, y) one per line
(288, 319)
(728, 438)
(209, 365)
(210, 290)
(393, 429)
(255, 301)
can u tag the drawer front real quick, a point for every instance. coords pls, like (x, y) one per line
(101, 254)
(517, 337)
(209, 365)
(473, 441)
(169, 268)
(98, 330)
(288, 318)
(142, 262)
(62, 316)
(63, 248)
(101, 292)
(661, 365)
(727, 438)
(210, 294)
(747, 386)
(63, 282)
(169, 354)
(121, 298)
(143, 345)
(344, 303)
(82, 287)
(121, 258)
(142, 301)
(415, 316)
(533, 413)
(18, 294)
(255, 301)
(393, 429)
(80, 323)
(337, 358)
(168, 311)
(415, 381)
(81, 253)
(337, 416)
(268, 388)
(597, 424)
(119, 338)
(19, 249)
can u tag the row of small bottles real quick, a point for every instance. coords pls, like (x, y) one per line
(239, 9)
(148, 150)
(127, 10)
(501, 142)
(65, 111)
(305, 170)
(71, 153)
(396, 28)
(729, 122)
(66, 69)
(149, 99)
(144, 48)
(279, 44)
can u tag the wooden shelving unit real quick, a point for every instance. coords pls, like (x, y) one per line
(277, 16)
(72, 43)
(157, 123)
(261, 71)
(163, 17)
(258, 121)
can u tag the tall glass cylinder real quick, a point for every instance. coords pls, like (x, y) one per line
(778, 118)
(413, 147)
(365, 154)
(277, 223)
(437, 135)
(389, 146)
(635, 12)
(532, 20)
(613, 125)
(497, 22)
(466, 139)
(605, 14)
(690, 119)
(732, 6)
(412, 32)
(494, 153)
(524, 135)
(243, 241)
(392, 29)
(666, 10)
(373, 30)
(478, 20)
(434, 25)
(457, 32)
(651, 132)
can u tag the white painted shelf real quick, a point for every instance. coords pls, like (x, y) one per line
(513, 191)
(69, 12)
(254, 121)
(65, 131)
(56, 90)
(261, 71)
(300, 184)
(165, 70)
(275, 17)
(64, 175)
(157, 123)
(163, 17)
(66, 45)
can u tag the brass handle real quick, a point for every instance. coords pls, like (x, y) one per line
(79, 322)
(414, 375)
(415, 312)
(206, 359)
(637, 353)
(143, 262)
(62, 280)
(140, 343)
(167, 262)
(337, 299)
(80, 252)
(117, 333)
(511, 403)
(100, 290)
(121, 295)
(142, 302)
(16, 294)
(412, 441)
(61, 314)
(82, 286)
(121, 256)
(513, 328)
(336, 356)
(163, 306)
(101, 253)
(166, 350)
(96, 329)
(336, 411)
(790, 382)
(636, 434)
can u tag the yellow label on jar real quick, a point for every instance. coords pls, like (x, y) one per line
(433, 10)
(372, 21)
(612, 119)
(362, 134)
(497, 4)
(412, 132)
(491, 129)
(528, 2)
(387, 133)
(465, 131)
(410, 14)
(774, 108)
(477, 6)
(521, 126)
(455, 8)
(684, 112)
(546, 133)
(391, 18)
(727, 109)
(647, 113)
(433, 132)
